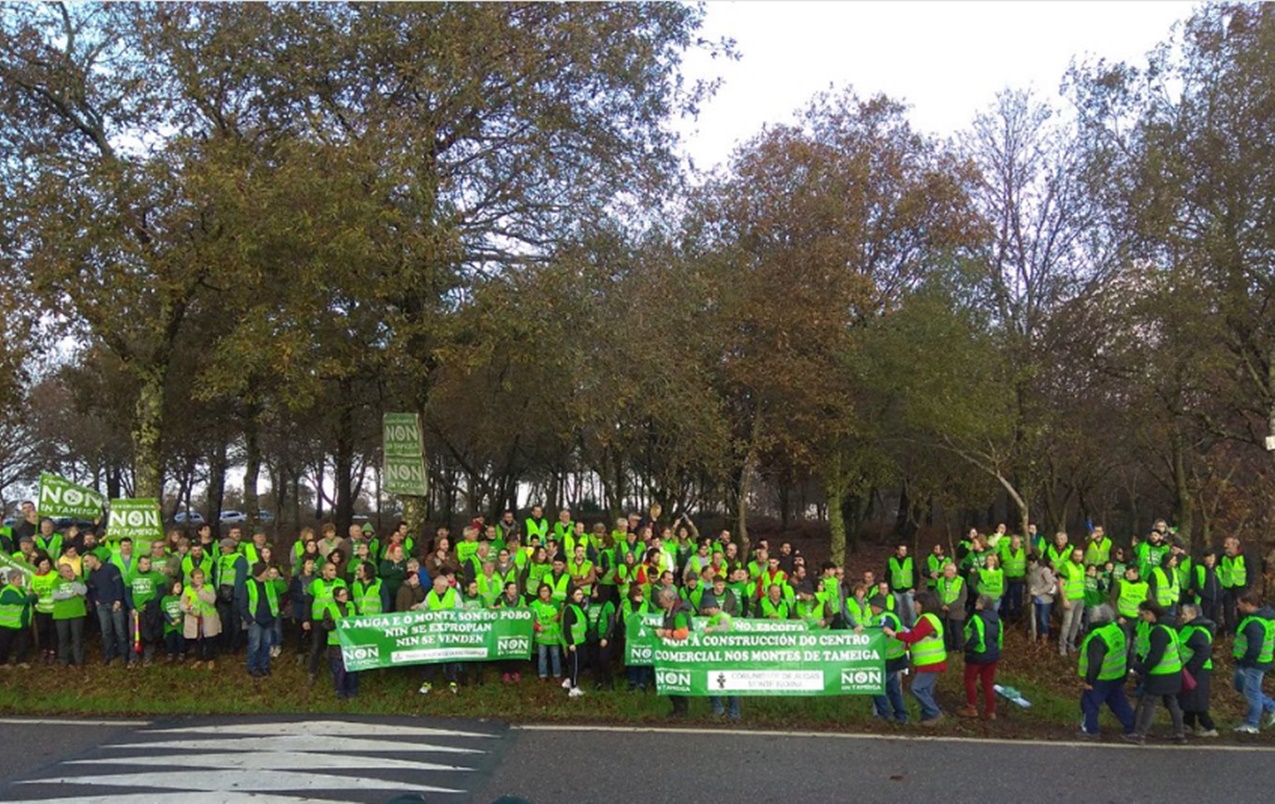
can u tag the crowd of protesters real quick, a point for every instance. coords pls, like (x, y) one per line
(1151, 612)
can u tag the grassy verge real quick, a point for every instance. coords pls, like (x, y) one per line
(1046, 679)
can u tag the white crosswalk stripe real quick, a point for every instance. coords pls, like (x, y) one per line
(265, 761)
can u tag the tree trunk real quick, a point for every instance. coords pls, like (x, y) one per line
(252, 468)
(148, 427)
(1184, 502)
(835, 492)
(343, 463)
(216, 484)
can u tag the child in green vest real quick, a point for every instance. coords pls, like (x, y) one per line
(171, 609)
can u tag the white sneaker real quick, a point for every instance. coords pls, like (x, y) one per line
(1270, 720)
(426, 688)
(1206, 733)
(1244, 728)
(275, 652)
(576, 692)
(566, 683)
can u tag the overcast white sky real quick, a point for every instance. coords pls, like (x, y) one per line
(947, 59)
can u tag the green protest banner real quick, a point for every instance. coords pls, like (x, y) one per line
(428, 637)
(139, 520)
(640, 640)
(815, 661)
(61, 497)
(404, 455)
(8, 563)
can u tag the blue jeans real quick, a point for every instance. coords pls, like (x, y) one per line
(114, 625)
(346, 683)
(1043, 612)
(1012, 603)
(640, 676)
(546, 655)
(923, 685)
(1248, 682)
(732, 704)
(260, 637)
(892, 700)
(1112, 694)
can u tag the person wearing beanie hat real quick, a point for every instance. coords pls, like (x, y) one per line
(259, 607)
(719, 622)
(890, 706)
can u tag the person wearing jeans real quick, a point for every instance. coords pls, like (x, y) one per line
(1254, 652)
(1042, 587)
(1072, 574)
(1103, 667)
(890, 706)
(106, 590)
(929, 656)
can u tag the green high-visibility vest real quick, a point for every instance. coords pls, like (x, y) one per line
(900, 573)
(448, 601)
(992, 582)
(579, 628)
(950, 589)
(367, 597)
(558, 587)
(190, 597)
(1267, 653)
(52, 546)
(332, 608)
(12, 606)
(272, 598)
(1232, 572)
(810, 611)
(1098, 553)
(1141, 639)
(321, 591)
(547, 634)
(489, 588)
(1057, 556)
(935, 564)
(537, 527)
(861, 612)
(1014, 562)
(894, 647)
(976, 626)
(773, 611)
(1166, 587)
(535, 577)
(189, 565)
(1171, 661)
(1115, 660)
(227, 569)
(1073, 580)
(1132, 594)
(43, 585)
(1189, 631)
(930, 650)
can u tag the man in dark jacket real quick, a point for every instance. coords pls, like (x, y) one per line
(1196, 634)
(1104, 664)
(258, 603)
(1205, 586)
(677, 625)
(106, 591)
(983, 640)
(1161, 674)
(1254, 649)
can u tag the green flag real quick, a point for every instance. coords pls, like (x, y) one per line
(139, 520)
(9, 563)
(404, 455)
(61, 497)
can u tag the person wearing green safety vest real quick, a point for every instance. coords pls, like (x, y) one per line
(1104, 664)
(16, 608)
(952, 593)
(321, 592)
(1161, 675)
(368, 594)
(42, 582)
(1205, 588)
(1163, 585)
(934, 564)
(1014, 563)
(548, 633)
(808, 608)
(231, 575)
(534, 573)
(171, 606)
(719, 622)
(984, 639)
(901, 573)
(575, 629)
(1098, 548)
(48, 540)
(1195, 633)
(536, 525)
(929, 655)
(1235, 573)
(559, 580)
(258, 603)
(889, 707)
(859, 607)
(1059, 553)
(1071, 578)
(443, 597)
(991, 580)
(676, 626)
(1254, 652)
(196, 558)
(141, 597)
(773, 606)
(69, 611)
(338, 609)
(1131, 593)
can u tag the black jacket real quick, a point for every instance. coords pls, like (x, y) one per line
(1167, 684)
(991, 638)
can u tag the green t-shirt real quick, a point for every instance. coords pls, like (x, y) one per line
(71, 607)
(147, 586)
(171, 605)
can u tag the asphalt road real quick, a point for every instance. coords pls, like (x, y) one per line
(264, 759)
